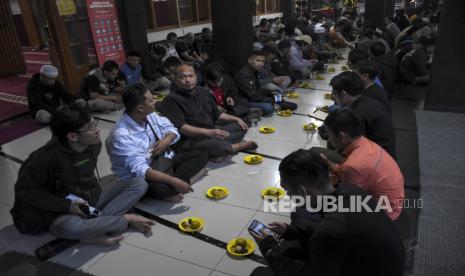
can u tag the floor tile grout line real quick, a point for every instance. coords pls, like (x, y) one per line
(105, 120)
(12, 158)
(214, 270)
(163, 254)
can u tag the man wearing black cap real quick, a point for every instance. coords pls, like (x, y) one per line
(45, 94)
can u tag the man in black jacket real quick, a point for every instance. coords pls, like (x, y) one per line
(386, 64)
(45, 94)
(228, 99)
(280, 64)
(342, 243)
(348, 91)
(153, 71)
(57, 187)
(367, 72)
(193, 111)
(247, 81)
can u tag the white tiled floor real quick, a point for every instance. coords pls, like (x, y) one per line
(167, 251)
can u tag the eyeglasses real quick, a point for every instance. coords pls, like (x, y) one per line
(92, 127)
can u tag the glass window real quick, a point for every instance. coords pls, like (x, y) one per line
(186, 10)
(204, 10)
(165, 13)
(260, 6)
(273, 6)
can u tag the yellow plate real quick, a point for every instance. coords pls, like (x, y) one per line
(332, 70)
(158, 97)
(284, 113)
(253, 159)
(267, 129)
(310, 127)
(328, 96)
(306, 85)
(188, 229)
(318, 77)
(250, 247)
(323, 108)
(293, 95)
(278, 191)
(224, 190)
(344, 68)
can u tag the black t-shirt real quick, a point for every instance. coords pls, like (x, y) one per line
(376, 92)
(92, 83)
(376, 122)
(198, 109)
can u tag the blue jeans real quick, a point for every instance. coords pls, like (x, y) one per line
(267, 108)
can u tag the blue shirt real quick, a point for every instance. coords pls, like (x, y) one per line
(130, 144)
(378, 82)
(133, 75)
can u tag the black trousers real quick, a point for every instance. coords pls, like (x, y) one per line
(217, 147)
(185, 165)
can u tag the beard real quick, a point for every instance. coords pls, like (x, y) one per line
(185, 91)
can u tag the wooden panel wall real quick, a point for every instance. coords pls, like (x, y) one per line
(30, 24)
(11, 56)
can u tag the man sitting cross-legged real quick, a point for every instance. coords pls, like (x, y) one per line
(57, 181)
(194, 112)
(355, 242)
(139, 146)
(365, 164)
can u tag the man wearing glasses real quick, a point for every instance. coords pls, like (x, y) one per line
(57, 188)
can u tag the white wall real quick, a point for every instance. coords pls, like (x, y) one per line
(161, 35)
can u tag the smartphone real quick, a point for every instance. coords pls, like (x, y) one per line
(256, 226)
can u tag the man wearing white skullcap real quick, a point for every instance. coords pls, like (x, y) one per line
(46, 94)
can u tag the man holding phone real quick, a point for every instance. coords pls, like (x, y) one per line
(342, 243)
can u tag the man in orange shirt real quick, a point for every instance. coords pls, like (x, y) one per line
(336, 37)
(366, 164)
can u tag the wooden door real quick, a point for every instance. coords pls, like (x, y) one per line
(70, 42)
(11, 56)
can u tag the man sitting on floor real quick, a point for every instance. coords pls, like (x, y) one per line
(367, 72)
(56, 187)
(139, 146)
(268, 80)
(185, 49)
(102, 87)
(228, 99)
(154, 72)
(376, 120)
(132, 68)
(357, 55)
(45, 94)
(194, 112)
(249, 85)
(358, 243)
(386, 63)
(366, 164)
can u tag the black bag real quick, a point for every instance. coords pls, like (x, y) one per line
(160, 162)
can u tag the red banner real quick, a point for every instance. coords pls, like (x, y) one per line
(103, 20)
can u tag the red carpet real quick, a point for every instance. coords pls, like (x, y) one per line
(9, 110)
(14, 85)
(13, 97)
(11, 107)
(18, 130)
